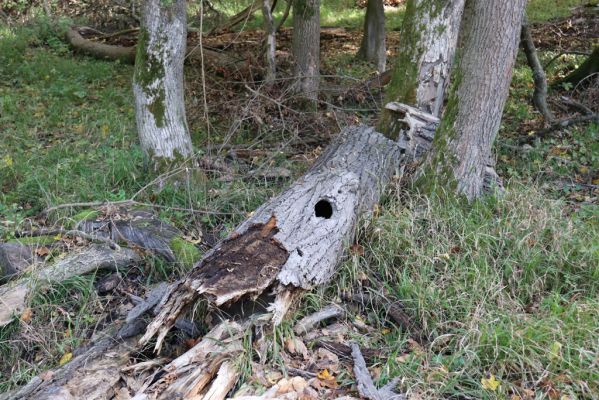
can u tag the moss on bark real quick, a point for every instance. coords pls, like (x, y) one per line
(149, 74)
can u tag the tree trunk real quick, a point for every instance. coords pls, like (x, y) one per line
(271, 45)
(158, 84)
(481, 79)
(298, 237)
(588, 67)
(539, 97)
(306, 47)
(373, 47)
(429, 38)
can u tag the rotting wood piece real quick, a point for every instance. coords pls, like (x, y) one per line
(14, 295)
(416, 135)
(315, 218)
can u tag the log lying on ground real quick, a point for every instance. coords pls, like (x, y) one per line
(291, 243)
(13, 296)
(127, 54)
(297, 238)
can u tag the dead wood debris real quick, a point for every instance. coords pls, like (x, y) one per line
(366, 386)
(308, 323)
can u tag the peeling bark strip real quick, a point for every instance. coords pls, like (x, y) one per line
(298, 237)
(158, 82)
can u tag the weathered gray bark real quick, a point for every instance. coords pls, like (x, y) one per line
(539, 97)
(372, 47)
(271, 44)
(462, 145)
(158, 83)
(297, 238)
(425, 57)
(293, 241)
(306, 47)
(14, 295)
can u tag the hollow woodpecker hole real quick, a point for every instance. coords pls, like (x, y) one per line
(323, 209)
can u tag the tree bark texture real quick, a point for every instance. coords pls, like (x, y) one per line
(539, 97)
(306, 47)
(481, 79)
(372, 47)
(271, 44)
(429, 37)
(158, 83)
(297, 238)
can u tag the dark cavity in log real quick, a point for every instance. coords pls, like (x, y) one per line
(323, 209)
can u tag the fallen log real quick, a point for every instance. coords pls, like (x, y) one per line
(126, 54)
(296, 239)
(14, 295)
(290, 244)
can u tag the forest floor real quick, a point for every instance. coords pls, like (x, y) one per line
(502, 293)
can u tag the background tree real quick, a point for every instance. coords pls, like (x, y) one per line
(481, 78)
(306, 47)
(271, 45)
(158, 83)
(372, 47)
(429, 36)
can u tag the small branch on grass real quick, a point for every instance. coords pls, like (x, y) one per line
(561, 124)
(308, 323)
(364, 381)
(119, 33)
(396, 311)
(134, 203)
(70, 233)
(576, 105)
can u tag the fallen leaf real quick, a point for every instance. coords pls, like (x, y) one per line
(490, 383)
(326, 379)
(555, 350)
(65, 358)
(42, 251)
(26, 316)
(356, 249)
(7, 161)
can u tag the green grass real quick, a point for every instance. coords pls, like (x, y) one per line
(544, 10)
(506, 286)
(338, 13)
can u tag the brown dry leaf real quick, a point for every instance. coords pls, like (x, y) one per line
(356, 249)
(297, 346)
(327, 360)
(327, 380)
(298, 383)
(42, 251)
(284, 386)
(26, 316)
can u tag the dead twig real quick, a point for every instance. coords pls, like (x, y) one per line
(364, 381)
(308, 323)
(69, 233)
